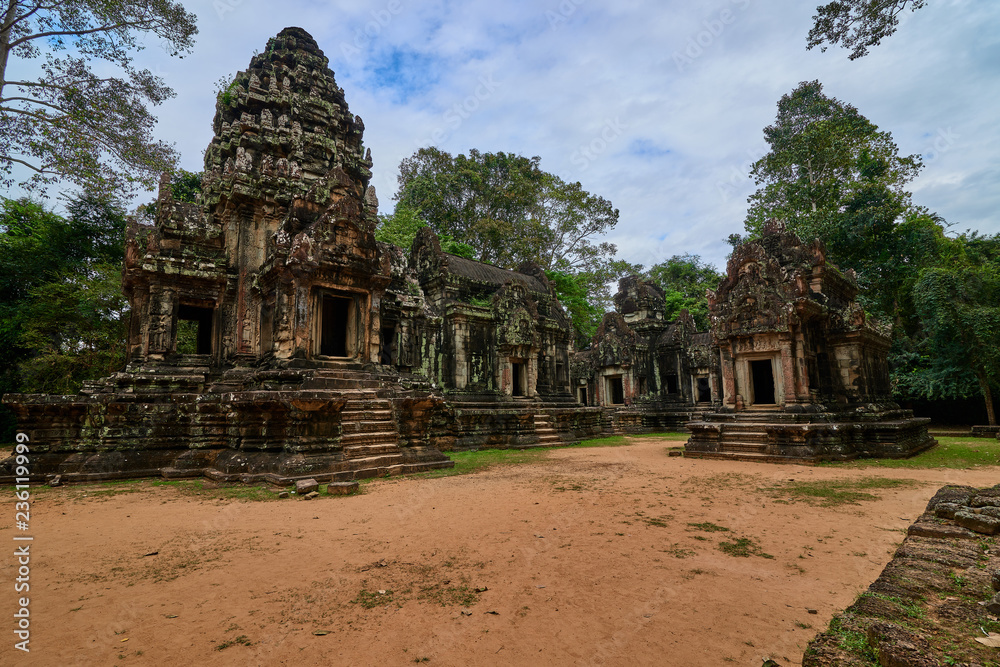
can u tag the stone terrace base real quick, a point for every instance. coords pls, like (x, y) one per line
(785, 437)
(334, 423)
(929, 603)
(275, 425)
(650, 417)
(986, 432)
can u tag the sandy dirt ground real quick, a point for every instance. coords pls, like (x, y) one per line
(584, 558)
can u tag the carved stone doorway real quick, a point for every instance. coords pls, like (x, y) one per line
(336, 315)
(762, 377)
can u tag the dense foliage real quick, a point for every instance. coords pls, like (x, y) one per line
(684, 280)
(62, 312)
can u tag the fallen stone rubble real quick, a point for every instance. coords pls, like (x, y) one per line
(936, 601)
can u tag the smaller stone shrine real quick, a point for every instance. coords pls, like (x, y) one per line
(804, 370)
(645, 372)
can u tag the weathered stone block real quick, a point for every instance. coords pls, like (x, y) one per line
(304, 486)
(979, 523)
(341, 488)
(947, 510)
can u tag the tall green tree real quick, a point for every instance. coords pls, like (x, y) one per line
(857, 24)
(959, 307)
(574, 292)
(483, 199)
(509, 211)
(823, 155)
(684, 280)
(85, 118)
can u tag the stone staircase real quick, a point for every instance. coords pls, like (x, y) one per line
(746, 440)
(750, 437)
(548, 436)
(369, 430)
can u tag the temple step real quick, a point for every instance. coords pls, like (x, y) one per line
(376, 461)
(341, 383)
(369, 415)
(368, 427)
(368, 451)
(745, 436)
(369, 437)
(744, 447)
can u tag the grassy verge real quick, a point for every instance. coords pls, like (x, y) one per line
(476, 461)
(835, 492)
(954, 453)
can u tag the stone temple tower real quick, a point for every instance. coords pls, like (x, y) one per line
(281, 242)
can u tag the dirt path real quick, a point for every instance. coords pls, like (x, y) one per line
(586, 557)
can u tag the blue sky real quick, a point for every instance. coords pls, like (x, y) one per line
(658, 106)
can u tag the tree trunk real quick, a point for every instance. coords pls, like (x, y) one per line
(984, 385)
(10, 13)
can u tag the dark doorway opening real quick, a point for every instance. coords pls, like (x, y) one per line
(763, 382)
(387, 346)
(671, 384)
(194, 330)
(704, 391)
(617, 391)
(336, 312)
(517, 378)
(583, 395)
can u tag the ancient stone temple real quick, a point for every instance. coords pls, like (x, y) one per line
(645, 372)
(272, 337)
(804, 374)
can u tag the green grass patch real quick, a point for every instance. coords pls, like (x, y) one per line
(475, 461)
(610, 441)
(470, 462)
(242, 639)
(206, 489)
(743, 547)
(951, 452)
(853, 640)
(709, 527)
(910, 609)
(835, 492)
(371, 599)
